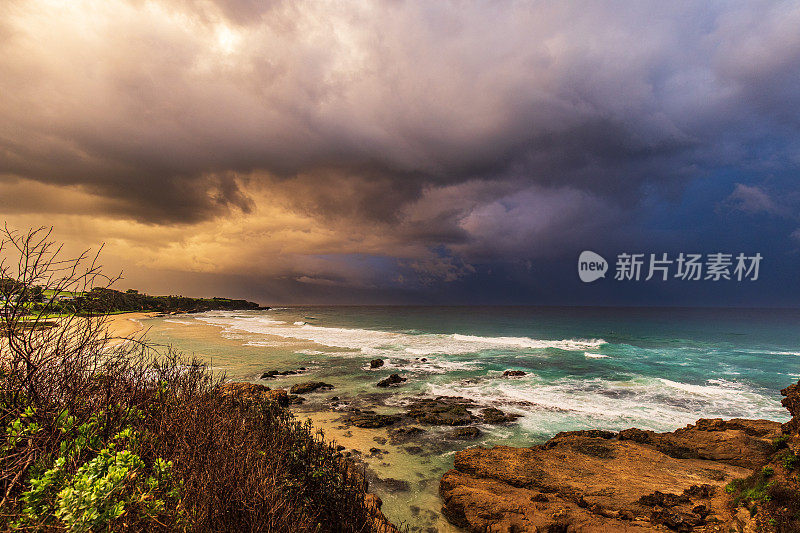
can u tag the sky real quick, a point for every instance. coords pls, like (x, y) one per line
(408, 152)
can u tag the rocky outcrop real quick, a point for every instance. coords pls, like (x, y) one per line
(309, 386)
(791, 402)
(380, 524)
(492, 415)
(242, 392)
(597, 481)
(371, 420)
(465, 433)
(394, 379)
(745, 443)
(513, 373)
(376, 363)
(442, 411)
(768, 501)
(275, 373)
(405, 434)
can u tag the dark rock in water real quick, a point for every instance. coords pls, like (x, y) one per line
(274, 373)
(597, 433)
(296, 400)
(309, 386)
(333, 399)
(362, 420)
(393, 485)
(405, 434)
(492, 415)
(410, 430)
(470, 432)
(394, 379)
(414, 450)
(376, 363)
(379, 440)
(513, 373)
(424, 360)
(443, 411)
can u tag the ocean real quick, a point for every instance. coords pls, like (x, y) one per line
(606, 368)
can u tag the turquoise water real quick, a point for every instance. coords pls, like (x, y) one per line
(586, 368)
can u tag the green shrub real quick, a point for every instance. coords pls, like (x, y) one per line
(102, 490)
(780, 442)
(755, 488)
(789, 461)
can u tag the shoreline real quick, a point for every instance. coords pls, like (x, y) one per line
(692, 477)
(404, 468)
(122, 326)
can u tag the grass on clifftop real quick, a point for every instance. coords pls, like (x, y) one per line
(772, 493)
(96, 436)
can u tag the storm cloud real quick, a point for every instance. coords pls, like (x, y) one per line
(435, 135)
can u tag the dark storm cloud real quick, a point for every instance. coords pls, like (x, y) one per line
(166, 107)
(389, 145)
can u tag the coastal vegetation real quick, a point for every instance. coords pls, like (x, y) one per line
(106, 300)
(35, 300)
(97, 434)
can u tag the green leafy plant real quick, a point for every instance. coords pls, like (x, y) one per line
(780, 442)
(789, 461)
(102, 490)
(20, 428)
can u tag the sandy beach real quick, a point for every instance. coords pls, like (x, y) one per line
(125, 325)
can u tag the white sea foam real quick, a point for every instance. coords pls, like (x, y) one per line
(527, 342)
(648, 403)
(433, 365)
(299, 323)
(594, 355)
(374, 342)
(769, 352)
